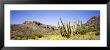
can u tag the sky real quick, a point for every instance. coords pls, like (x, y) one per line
(52, 17)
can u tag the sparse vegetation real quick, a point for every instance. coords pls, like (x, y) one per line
(38, 31)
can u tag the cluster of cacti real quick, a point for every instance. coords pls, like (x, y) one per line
(65, 30)
(78, 28)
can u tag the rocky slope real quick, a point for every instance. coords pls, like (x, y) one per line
(93, 22)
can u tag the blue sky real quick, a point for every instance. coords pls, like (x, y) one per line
(51, 17)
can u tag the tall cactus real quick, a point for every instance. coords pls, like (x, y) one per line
(78, 28)
(65, 30)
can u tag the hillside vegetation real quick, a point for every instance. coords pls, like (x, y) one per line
(34, 30)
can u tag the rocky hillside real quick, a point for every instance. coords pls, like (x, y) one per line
(93, 22)
(31, 26)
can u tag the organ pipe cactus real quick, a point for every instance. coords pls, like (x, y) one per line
(65, 29)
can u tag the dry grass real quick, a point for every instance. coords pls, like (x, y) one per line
(88, 36)
(57, 36)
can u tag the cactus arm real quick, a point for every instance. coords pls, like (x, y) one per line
(69, 29)
(63, 26)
